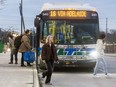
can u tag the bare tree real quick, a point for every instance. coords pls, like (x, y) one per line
(111, 36)
(2, 2)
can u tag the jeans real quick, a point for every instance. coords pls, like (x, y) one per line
(104, 66)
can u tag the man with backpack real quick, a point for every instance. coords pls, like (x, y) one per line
(25, 46)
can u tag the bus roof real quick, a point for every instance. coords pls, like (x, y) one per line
(63, 6)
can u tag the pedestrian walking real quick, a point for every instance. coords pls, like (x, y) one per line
(13, 50)
(100, 55)
(49, 54)
(25, 46)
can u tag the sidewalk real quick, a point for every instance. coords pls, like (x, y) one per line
(13, 75)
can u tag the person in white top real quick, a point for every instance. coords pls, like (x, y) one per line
(100, 55)
(13, 50)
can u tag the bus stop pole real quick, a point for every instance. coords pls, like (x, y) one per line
(37, 46)
(37, 25)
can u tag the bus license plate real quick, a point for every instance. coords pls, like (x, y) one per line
(67, 63)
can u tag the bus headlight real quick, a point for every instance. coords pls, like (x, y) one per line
(93, 54)
(8, 49)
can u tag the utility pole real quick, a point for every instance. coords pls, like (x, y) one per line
(22, 19)
(106, 29)
(20, 8)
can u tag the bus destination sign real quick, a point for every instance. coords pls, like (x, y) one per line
(65, 14)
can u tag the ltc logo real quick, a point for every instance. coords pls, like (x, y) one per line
(67, 51)
(74, 51)
(70, 51)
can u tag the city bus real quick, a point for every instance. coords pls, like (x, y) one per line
(75, 30)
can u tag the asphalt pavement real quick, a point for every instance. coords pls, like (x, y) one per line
(13, 75)
(92, 79)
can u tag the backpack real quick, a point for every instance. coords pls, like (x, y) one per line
(17, 41)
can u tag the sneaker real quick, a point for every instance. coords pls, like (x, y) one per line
(29, 65)
(23, 66)
(10, 63)
(107, 75)
(96, 76)
(48, 83)
(16, 63)
(43, 76)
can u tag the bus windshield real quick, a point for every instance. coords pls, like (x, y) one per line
(71, 31)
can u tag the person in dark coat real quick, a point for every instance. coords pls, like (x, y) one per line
(49, 54)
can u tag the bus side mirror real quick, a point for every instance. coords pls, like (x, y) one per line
(37, 22)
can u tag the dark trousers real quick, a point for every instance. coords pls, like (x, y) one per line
(22, 59)
(48, 73)
(15, 55)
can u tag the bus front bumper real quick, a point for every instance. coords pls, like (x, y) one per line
(76, 63)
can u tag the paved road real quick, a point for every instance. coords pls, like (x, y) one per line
(75, 77)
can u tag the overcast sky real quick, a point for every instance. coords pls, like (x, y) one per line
(10, 16)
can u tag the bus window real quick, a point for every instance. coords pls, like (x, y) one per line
(71, 32)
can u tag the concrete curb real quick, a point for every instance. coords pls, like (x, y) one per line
(40, 79)
(35, 77)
